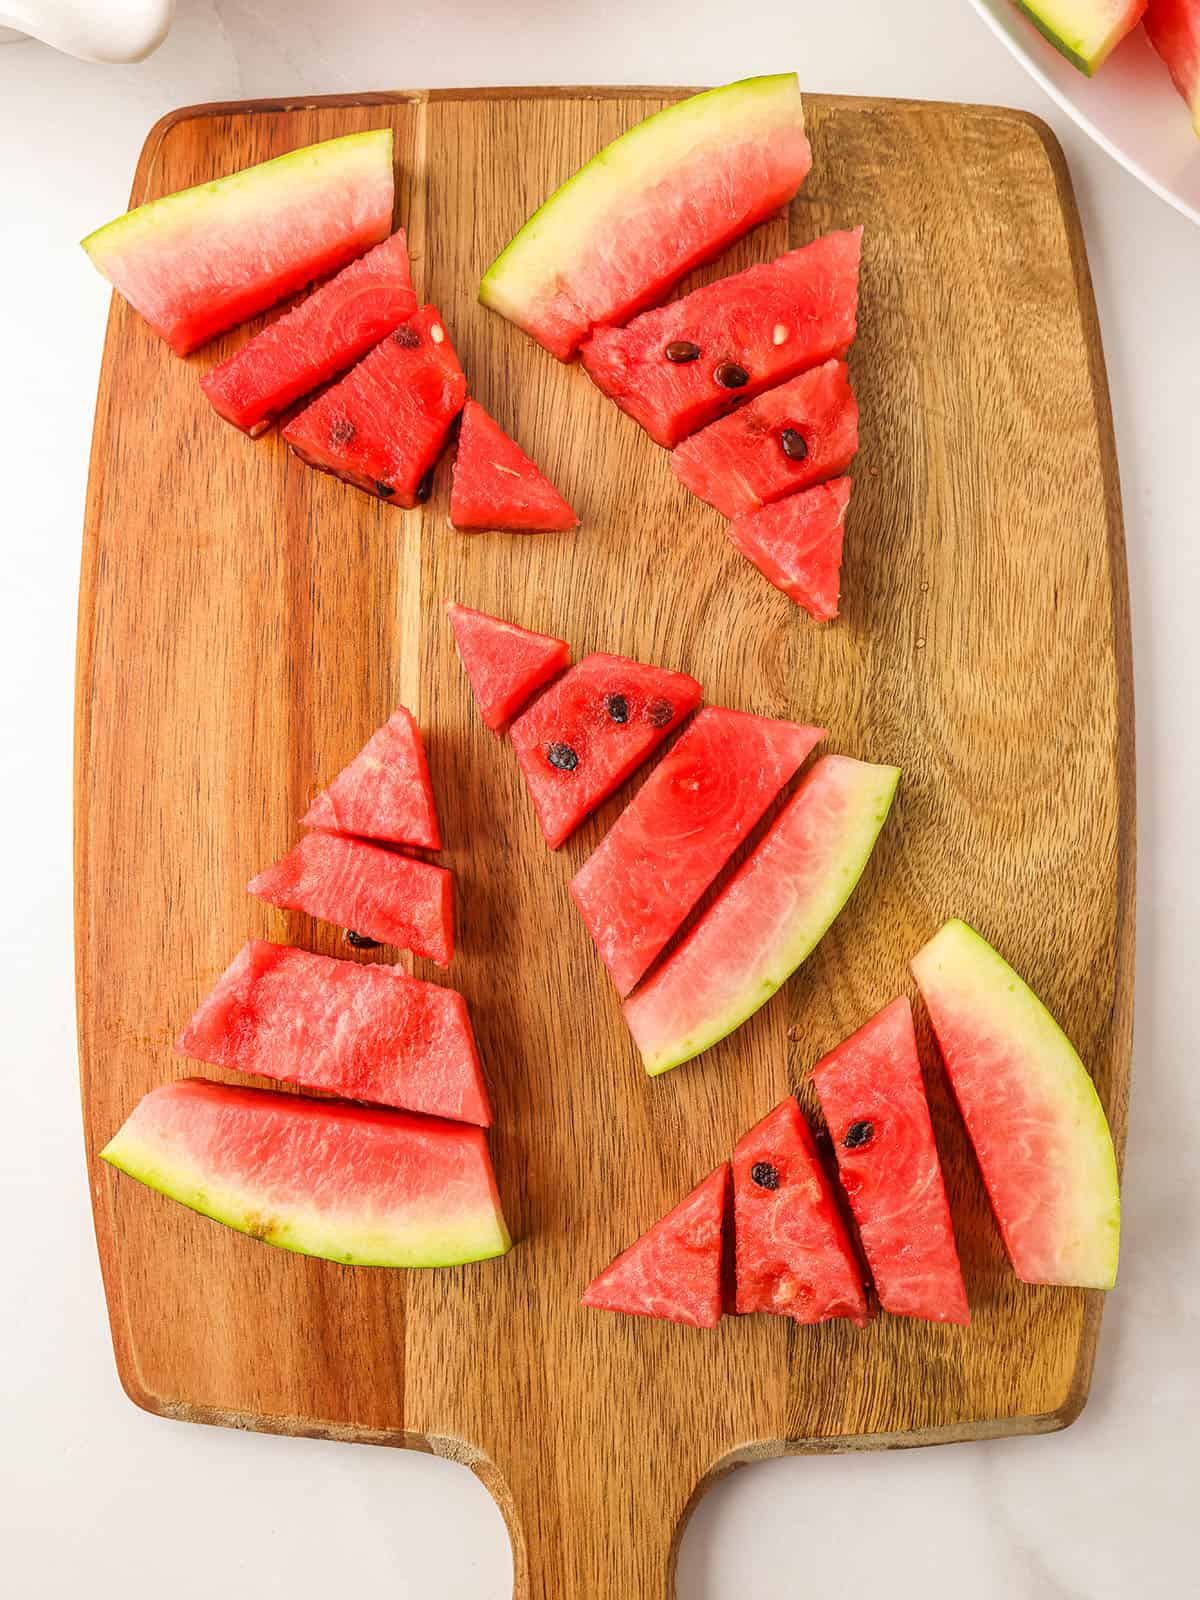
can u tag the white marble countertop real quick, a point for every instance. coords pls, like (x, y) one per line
(101, 1499)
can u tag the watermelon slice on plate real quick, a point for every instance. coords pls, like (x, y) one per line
(667, 195)
(768, 918)
(383, 426)
(366, 888)
(322, 336)
(680, 829)
(581, 739)
(385, 791)
(497, 486)
(1033, 1114)
(355, 1184)
(198, 262)
(366, 1032)
(682, 366)
(874, 1103)
(789, 438)
(505, 665)
(794, 1255)
(1085, 31)
(674, 1270)
(1174, 30)
(796, 543)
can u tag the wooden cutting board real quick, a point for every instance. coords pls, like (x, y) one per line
(246, 622)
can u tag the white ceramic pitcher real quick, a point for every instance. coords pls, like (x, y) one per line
(94, 30)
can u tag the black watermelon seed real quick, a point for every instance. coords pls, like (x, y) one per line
(360, 940)
(730, 376)
(858, 1134)
(617, 707)
(424, 488)
(660, 713)
(384, 490)
(682, 350)
(764, 1175)
(562, 757)
(341, 431)
(407, 338)
(794, 444)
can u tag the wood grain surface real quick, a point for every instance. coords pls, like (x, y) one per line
(246, 622)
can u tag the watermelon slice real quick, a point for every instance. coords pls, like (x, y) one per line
(365, 1032)
(316, 340)
(1032, 1111)
(796, 543)
(768, 918)
(356, 1184)
(1085, 31)
(1174, 30)
(367, 888)
(873, 1098)
(383, 426)
(673, 1271)
(667, 195)
(788, 438)
(505, 665)
(794, 1256)
(591, 730)
(680, 367)
(198, 262)
(497, 486)
(385, 792)
(680, 829)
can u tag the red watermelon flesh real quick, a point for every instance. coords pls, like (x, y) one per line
(873, 1098)
(742, 461)
(368, 889)
(796, 543)
(591, 730)
(674, 1270)
(385, 792)
(365, 1032)
(497, 486)
(1174, 30)
(679, 830)
(505, 665)
(678, 368)
(319, 338)
(383, 426)
(794, 1256)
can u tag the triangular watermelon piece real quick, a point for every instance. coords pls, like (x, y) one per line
(797, 545)
(506, 665)
(497, 486)
(674, 1270)
(385, 791)
(794, 1256)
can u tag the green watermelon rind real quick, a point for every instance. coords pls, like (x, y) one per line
(1086, 53)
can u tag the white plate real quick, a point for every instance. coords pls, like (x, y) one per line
(1130, 108)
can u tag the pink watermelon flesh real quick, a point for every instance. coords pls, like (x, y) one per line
(497, 486)
(385, 792)
(368, 889)
(680, 829)
(383, 426)
(1174, 29)
(591, 730)
(873, 1098)
(505, 665)
(740, 462)
(674, 1270)
(366, 1032)
(319, 338)
(793, 1252)
(796, 543)
(669, 369)
(355, 1184)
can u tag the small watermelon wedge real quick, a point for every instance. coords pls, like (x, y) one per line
(365, 1032)
(667, 195)
(383, 426)
(1173, 27)
(322, 336)
(591, 730)
(874, 1103)
(497, 486)
(674, 1270)
(1033, 1114)
(356, 1184)
(1085, 31)
(385, 792)
(789, 438)
(505, 665)
(794, 1255)
(680, 829)
(796, 543)
(198, 262)
(368, 889)
(680, 367)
